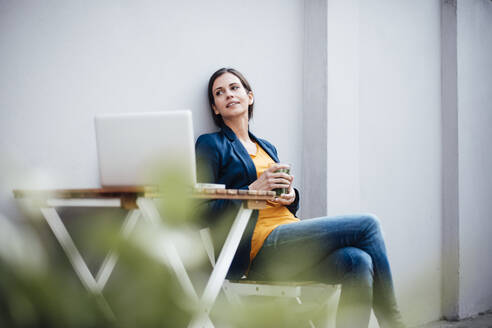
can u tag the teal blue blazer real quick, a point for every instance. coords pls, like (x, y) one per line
(222, 159)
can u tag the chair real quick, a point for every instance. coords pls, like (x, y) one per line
(236, 290)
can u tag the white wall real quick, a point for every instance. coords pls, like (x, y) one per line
(62, 62)
(474, 45)
(343, 186)
(384, 103)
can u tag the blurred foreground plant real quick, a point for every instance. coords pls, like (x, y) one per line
(38, 288)
(33, 294)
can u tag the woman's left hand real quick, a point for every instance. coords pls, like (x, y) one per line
(287, 199)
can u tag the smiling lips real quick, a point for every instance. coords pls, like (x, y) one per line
(232, 103)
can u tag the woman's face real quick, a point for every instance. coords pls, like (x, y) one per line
(231, 98)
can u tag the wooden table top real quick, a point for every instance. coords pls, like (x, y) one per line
(141, 191)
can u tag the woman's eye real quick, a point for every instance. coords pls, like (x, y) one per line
(218, 93)
(234, 87)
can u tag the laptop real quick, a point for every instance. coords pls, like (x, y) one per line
(140, 149)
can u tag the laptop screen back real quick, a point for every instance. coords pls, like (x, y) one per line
(140, 149)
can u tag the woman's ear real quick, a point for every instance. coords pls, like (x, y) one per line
(251, 97)
(215, 110)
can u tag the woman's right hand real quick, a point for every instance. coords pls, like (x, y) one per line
(270, 179)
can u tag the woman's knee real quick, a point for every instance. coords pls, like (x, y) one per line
(358, 265)
(371, 221)
(360, 260)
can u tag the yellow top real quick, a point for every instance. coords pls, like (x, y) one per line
(272, 216)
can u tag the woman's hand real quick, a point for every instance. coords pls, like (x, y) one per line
(270, 180)
(287, 199)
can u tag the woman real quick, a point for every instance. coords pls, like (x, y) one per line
(276, 245)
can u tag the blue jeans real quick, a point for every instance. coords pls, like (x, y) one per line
(346, 249)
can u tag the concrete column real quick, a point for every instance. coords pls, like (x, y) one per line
(314, 150)
(467, 179)
(330, 107)
(450, 185)
(474, 71)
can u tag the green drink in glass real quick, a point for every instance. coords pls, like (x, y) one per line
(280, 191)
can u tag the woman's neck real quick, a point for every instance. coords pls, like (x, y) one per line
(240, 128)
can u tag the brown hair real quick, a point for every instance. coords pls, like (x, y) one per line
(217, 117)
